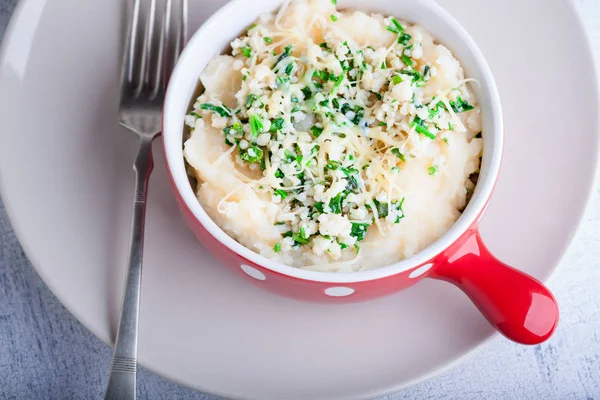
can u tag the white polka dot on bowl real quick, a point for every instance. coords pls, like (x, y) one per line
(339, 291)
(253, 272)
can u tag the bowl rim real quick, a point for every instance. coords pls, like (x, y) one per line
(172, 147)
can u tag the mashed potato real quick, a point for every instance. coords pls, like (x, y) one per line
(334, 140)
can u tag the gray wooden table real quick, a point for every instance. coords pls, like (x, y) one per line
(46, 354)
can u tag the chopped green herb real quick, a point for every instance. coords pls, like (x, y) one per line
(315, 150)
(334, 18)
(289, 68)
(279, 174)
(460, 105)
(303, 233)
(332, 165)
(406, 60)
(289, 157)
(223, 111)
(398, 206)
(277, 248)
(307, 93)
(337, 84)
(345, 108)
(415, 74)
(397, 153)
(392, 29)
(434, 111)
(349, 171)
(195, 114)
(250, 100)
(336, 203)
(320, 206)
(432, 170)
(281, 193)
(282, 80)
(263, 166)
(287, 51)
(235, 130)
(397, 79)
(252, 27)
(256, 125)
(424, 131)
(246, 51)
(404, 38)
(244, 77)
(382, 208)
(359, 230)
(397, 24)
(324, 75)
(419, 126)
(345, 64)
(252, 155)
(351, 174)
(396, 27)
(334, 2)
(268, 40)
(277, 125)
(426, 73)
(301, 237)
(316, 131)
(359, 113)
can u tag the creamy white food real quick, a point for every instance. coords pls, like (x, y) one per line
(334, 140)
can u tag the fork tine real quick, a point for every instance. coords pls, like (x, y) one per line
(130, 47)
(156, 77)
(163, 74)
(182, 31)
(176, 26)
(149, 45)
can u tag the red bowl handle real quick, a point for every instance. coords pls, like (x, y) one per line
(516, 304)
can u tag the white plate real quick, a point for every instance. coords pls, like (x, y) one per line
(67, 185)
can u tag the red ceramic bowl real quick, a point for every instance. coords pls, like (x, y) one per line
(519, 306)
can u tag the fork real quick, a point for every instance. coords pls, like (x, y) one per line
(155, 37)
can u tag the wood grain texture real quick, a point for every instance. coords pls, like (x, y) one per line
(46, 354)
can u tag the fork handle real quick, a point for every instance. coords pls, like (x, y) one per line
(121, 383)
